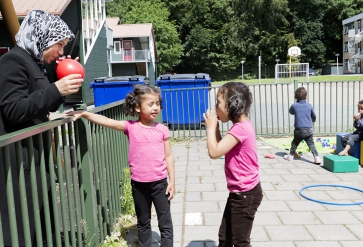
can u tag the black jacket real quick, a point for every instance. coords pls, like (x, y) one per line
(26, 95)
(26, 98)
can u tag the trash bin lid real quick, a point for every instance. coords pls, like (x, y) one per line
(117, 78)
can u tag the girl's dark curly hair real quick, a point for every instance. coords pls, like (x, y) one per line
(238, 99)
(135, 98)
(300, 93)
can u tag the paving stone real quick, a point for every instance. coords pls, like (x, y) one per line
(273, 206)
(330, 232)
(284, 219)
(274, 244)
(201, 187)
(305, 205)
(193, 196)
(291, 233)
(351, 243)
(192, 207)
(266, 218)
(287, 186)
(317, 244)
(213, 196)
(281, 195)
(200, 234)
(298, 218)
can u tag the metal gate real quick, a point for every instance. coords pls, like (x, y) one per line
(290, 72)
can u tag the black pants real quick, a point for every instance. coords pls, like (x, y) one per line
(305, 134)
(349, 139)
(238, 216)
(144, 194)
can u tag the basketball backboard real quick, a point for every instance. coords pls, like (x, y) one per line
(294, 51)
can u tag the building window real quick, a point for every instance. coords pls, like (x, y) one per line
(346, 46)
(346, 63)
(346, 30)
(358, 24)
(117, 47)
(359, 44)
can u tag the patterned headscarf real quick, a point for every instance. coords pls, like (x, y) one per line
(40, 30)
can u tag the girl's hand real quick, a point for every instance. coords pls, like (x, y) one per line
(69, 84)
(171, 191)
(76, 114)
(211, 119)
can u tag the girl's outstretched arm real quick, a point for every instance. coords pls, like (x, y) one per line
(169, 158)
(98, 119)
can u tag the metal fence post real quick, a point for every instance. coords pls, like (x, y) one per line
(86, 179)
(295, 85)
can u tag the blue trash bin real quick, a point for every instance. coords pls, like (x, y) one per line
(185, 99)
(110, 89)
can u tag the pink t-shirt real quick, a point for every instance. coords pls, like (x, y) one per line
(146, 153)
(241, 162)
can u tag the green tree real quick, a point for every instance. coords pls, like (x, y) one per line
(336, 11)
(218, 34)
(168, 43)
(306, 18)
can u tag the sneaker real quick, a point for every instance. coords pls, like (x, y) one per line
(289, 157)
(317, 160)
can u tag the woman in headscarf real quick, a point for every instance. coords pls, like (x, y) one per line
(27, 97)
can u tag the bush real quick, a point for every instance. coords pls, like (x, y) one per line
(127, 201)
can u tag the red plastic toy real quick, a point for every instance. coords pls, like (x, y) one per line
(69, 66)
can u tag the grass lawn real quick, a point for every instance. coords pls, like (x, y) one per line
(319, 78)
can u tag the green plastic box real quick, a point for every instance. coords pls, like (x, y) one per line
(345, 163)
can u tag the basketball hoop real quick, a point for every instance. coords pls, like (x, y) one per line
(294, 51)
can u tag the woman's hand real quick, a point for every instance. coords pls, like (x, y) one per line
(211, 119)
(69, 84)
(76, 114)
(63, 57)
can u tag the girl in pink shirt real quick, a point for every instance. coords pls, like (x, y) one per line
(150, 160)
(241, 167)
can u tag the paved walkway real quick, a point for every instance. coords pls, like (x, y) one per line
(284, 219)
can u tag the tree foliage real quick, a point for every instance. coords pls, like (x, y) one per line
(216, 35)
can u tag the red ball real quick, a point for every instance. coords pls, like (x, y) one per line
(69, 66)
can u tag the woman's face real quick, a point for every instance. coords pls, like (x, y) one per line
(52, 52)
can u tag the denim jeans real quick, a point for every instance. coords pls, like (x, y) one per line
(144, 194)
(351, 138)
(307, 135)
(238, 216)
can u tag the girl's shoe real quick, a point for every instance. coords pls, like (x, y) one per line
(289, 157)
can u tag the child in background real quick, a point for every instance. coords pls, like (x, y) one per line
(150, 160)
(304, 119)
(241, 167)
(349, 139)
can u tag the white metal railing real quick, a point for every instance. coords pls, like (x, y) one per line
(354, 55)
(130, 56)
(94, 17)
(291, 72)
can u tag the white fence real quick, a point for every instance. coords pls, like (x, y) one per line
(334, 103)
(290, 72)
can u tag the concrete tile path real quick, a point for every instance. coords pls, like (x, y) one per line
(284, 219)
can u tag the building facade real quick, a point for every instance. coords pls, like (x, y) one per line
(352, 44)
